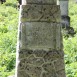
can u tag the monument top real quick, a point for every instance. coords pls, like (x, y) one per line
(52, 2)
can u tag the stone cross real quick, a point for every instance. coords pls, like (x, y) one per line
(40, 47)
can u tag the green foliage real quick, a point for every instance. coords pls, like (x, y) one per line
(73, 14)
(71, 69)
(8, 39)
(70, 44)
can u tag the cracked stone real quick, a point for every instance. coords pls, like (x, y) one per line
(48, 67)
(48, 13)
(33, 71)
(52, 55)
(23, 74)
(34, 61)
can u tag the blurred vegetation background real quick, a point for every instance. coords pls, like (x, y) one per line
(9, 14)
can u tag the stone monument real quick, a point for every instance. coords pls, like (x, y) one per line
(40, 49)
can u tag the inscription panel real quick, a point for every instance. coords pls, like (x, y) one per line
(39, 35)
(48, 13)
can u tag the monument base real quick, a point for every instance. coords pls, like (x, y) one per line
(41, 63)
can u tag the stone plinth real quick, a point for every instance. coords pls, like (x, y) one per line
(40, 49)
(41, 63)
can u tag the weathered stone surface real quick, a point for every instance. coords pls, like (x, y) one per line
(59, 64)
(40, 52)
(33, 71)
(53, 55)
(40, 35)
(22, 74)
(22, 64)
(61, 73)
(35, 61)
(59, 44)
(46, 74)
(41, 63)
(25, 53)
(48, 67)
(41, 2)
(48, 13)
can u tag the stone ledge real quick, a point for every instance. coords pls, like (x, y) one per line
(52, 2)
(48, 13)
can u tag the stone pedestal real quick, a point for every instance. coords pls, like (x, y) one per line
(40, 48)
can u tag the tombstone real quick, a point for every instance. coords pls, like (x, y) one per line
(40, 47)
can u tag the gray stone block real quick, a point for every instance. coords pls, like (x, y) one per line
(48, 13)
(41, 2)
(40, 35)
